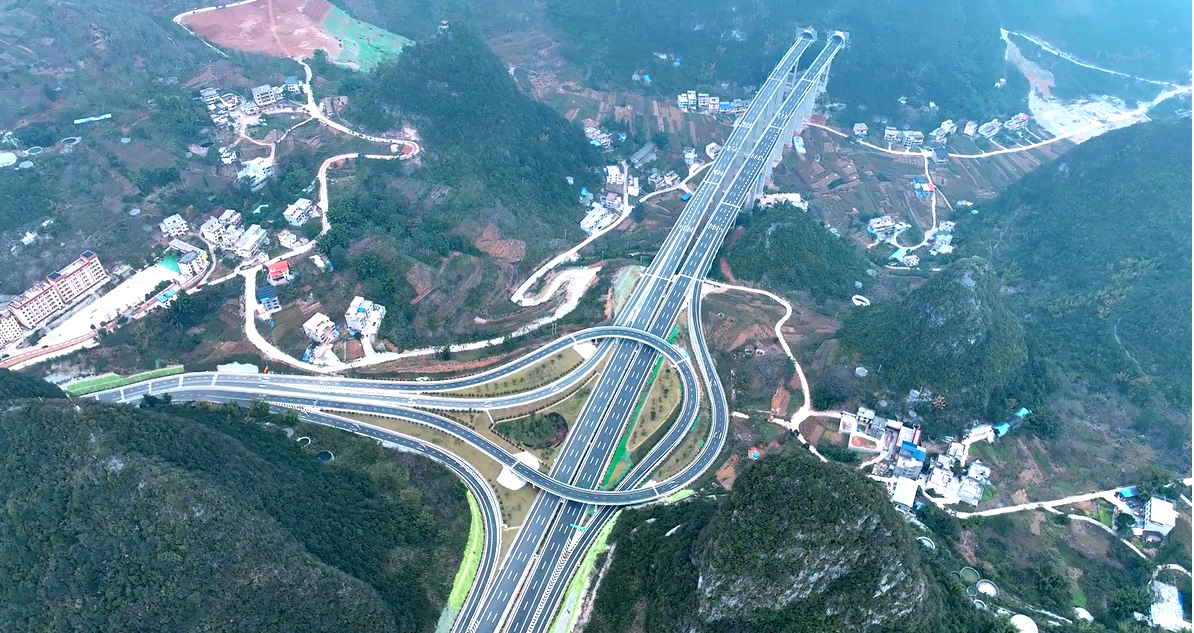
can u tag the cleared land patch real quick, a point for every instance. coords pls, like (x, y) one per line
(296, 28)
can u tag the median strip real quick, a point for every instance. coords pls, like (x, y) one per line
(472, 557)
(103, 382)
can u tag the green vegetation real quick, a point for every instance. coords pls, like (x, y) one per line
(535, 430)
(111, 381)
(14, 386)
(953, 335)
(1055, 566)
(1150, 38)
(472, 557)
(169, 333)
(1096, 251)
(794, 541)
(189, 518)
(493, 144)
(785, 249)
(946, 51)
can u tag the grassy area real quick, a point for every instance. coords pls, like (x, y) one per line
(514, 503)
(693, 442)
(544, 372)
(580, 581)
(680, 495)
(1103, 514)
(112, 381)
(362, 45)
(663, 398)
(472, 557)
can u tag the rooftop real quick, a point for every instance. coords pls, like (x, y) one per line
(905, 492)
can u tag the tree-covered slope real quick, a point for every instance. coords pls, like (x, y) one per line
(946, 51)
(785, 249)
(1095, 251)
(478, 127)
(186, 519)
(798, 546)
(953, 335)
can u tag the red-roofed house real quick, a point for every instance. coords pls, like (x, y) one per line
(279, 273)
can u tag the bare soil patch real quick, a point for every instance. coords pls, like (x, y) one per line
(281, 28)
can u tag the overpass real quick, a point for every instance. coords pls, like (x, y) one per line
(753, 160)
(522, 595)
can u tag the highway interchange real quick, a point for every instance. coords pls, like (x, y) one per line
(524, 591)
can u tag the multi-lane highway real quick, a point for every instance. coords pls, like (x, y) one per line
(554, 564)
(522, 595)
(546, 545)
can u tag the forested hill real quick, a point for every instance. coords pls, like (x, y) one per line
(799, 546)
(784, 249)
(954, 335)
(176, 518)
(945, 51)
(1095, 252)
(484, 137)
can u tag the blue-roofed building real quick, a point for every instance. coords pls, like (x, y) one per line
(899, 254)
(267, 296)
(292, 84)
(940, 156)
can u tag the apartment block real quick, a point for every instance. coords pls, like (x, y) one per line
(78, 277)
(251, 242)
(364, 316)
(320, 328)
(299, 212)
(264, 95)
(36, 305)
(174, 226)
(10, 328)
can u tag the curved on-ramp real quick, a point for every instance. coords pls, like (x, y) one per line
(312, 403)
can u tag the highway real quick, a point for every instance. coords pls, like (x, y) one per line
(543, 557)
(491, 519)
(556, 561)
(684, 286)
(602, 422)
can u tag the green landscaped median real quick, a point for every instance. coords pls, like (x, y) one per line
(679, 495)
(621, 453)
(93, 384)
(472, 558)
(569, 608)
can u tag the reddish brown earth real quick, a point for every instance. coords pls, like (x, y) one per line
(281, 28)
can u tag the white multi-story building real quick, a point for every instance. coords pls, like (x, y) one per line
(10, 328)
(192, 263)
(264, 95)
(78, 277)
(36, 305)
(614, 176)
(320, 328)
(255, 172)
(881, 226)
(971, 128)
(1159, 517)
(174, 226)
(251, 242)
(212, 230)
(990, 128)
(364, 316)
(299, 212)
(230, 218)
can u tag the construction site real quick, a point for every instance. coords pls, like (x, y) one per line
(295, 28)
